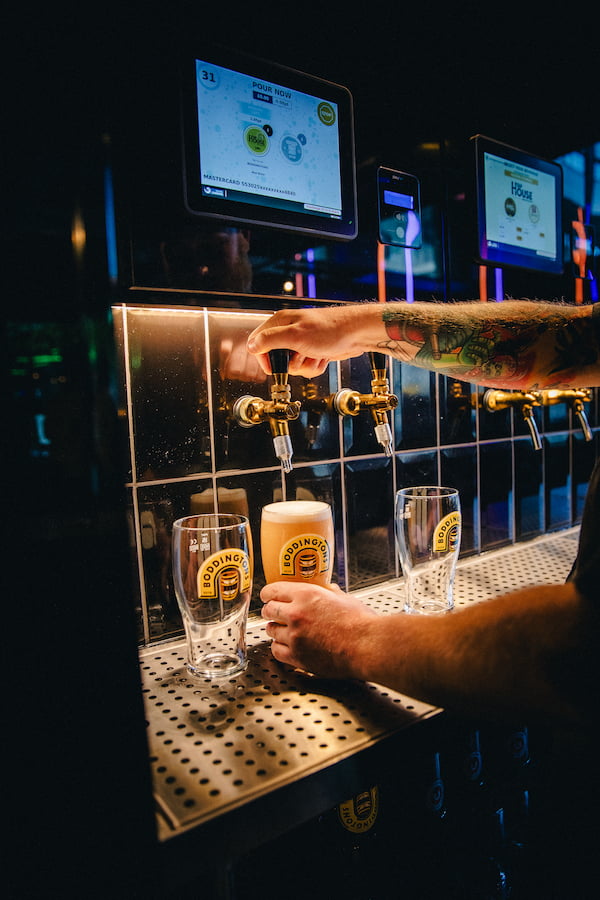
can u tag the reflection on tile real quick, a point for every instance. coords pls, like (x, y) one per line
(459, 470)
(416, 468)
(556, 417)
(457, 411)
(322, 482)
(234, 374)
(315, 434)
(414, 419)
(529, 490)
(370, 504)
(496, 496)
(558, 481)
(122, 366)
(493, 425)
(133, 540)
(159, 506)
(584, 457)
(168, 390)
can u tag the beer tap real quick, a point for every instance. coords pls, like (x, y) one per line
(348, 402)
(494, 401)
(576, 398)
(278, 411)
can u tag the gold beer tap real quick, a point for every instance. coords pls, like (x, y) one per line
(494, 401)
(277, 411)
(576, 397)
(349, 403)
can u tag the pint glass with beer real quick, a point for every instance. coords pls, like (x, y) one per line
(297, 541)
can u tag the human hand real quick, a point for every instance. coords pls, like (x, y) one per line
(314, 337)
(314, 628)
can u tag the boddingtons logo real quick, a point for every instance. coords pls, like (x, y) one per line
(306, 555)
(447, 533)
(226, 572)
(358, 814)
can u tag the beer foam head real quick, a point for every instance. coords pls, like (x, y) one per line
(296, 511)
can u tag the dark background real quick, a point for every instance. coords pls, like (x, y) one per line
(86, 83)
(524, 74)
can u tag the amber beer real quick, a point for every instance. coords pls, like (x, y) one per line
(297, 541)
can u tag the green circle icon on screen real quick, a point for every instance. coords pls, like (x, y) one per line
(326, 113)
(256, 140)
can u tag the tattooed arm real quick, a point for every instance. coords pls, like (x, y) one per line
(530, 654)
(519, 344)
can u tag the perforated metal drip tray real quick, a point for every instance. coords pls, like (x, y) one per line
(218, 745)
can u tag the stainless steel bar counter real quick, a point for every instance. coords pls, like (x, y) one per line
(269, 749)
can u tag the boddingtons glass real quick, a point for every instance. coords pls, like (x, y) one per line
(428, 532)
(212, 574)
(297, 541)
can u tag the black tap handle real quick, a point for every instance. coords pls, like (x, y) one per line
(378, 360)
(280, 360)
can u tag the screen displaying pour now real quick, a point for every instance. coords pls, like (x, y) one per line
(267, 144)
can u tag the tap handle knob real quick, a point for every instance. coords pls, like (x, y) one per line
(378, 360)
(280, 360)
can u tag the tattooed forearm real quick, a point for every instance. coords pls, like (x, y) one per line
(523, 345)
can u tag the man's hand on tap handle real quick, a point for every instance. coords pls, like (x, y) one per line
(317, 336)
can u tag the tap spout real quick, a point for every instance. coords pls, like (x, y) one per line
(585, 425)
(576, 397)
(532, 425)
(494, 401)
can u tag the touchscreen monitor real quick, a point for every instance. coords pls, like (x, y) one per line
(519, 208)
(267, 145)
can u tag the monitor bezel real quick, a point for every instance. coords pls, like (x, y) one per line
(238, 212)
(505, 257)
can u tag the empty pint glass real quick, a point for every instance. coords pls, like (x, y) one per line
(296, 540)
(428, 530)
(212, 572)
